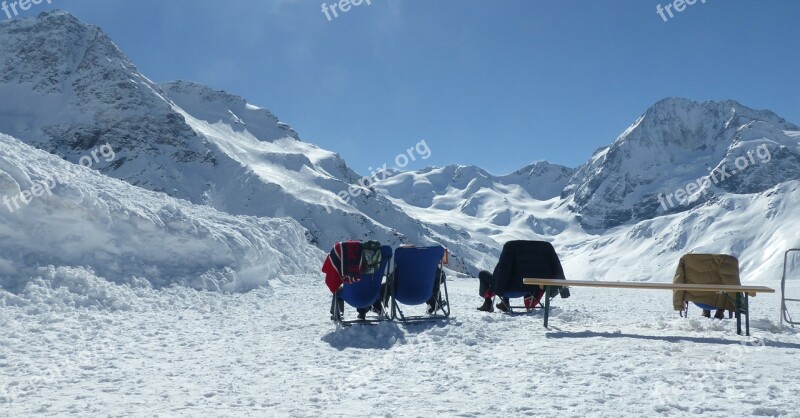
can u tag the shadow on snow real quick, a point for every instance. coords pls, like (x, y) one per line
(667, 338)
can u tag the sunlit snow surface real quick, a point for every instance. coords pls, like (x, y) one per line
(273, 352)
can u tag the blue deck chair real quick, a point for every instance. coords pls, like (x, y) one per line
(527, 259)
(416, 270)
(364, 293)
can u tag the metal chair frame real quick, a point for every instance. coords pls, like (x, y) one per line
(785, 317)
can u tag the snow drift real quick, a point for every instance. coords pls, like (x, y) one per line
(126, 234)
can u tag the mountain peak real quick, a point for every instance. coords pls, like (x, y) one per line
(676, 142)
(63, 47)
(63, 15)
(539, 167)
(694, 112)
(214, 106)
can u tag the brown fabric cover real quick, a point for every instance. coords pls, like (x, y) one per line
(706, 269)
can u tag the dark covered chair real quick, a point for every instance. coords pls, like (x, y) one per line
(519, 260)
(707, 269)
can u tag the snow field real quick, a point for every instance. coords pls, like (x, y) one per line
(273, 352)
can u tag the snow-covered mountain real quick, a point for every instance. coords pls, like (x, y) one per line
(679, 179)
(76, 90)
(686, 176)
(458, 185)
(282, 176)
(675, 143)
(480, 211)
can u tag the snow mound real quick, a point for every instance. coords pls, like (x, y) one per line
(77, 217)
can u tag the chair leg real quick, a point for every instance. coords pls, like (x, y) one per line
(546, 305)
(336, 307)
(447, 301)
(390, 297)
(739, 313)
(438, 302)
(747, 314)
(397, 313)
(393, 307)
(333, 308)
(399, 316)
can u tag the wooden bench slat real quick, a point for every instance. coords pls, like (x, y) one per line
(649, 285)
(742, 304)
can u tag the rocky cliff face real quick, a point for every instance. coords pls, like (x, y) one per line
(68, 89)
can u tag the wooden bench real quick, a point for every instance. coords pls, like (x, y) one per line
(742, 304)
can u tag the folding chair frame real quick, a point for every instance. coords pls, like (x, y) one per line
(383, 315)
(527, 310)
(442, 305)
(742, 308)
(338, 314)
(742, 303)
(785, 317)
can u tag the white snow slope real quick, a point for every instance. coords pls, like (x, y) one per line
(125, 234)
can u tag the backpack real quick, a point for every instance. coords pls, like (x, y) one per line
(370, 256)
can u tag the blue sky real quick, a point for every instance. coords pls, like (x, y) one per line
(495, 84)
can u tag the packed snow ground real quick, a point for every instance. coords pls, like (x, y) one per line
(94, 348)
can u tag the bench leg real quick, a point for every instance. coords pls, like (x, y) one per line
(747, 313)
(546, 305)
(739, 313)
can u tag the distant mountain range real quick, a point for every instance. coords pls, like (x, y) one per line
(66, 88)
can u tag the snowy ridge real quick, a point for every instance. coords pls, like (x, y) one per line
(213, 106)
(479, 211)
(213, 148)
(444, 187)
(678, 141)
(608, 223)
(180, 138)
(751, 227)
(129, 235)
(287, 177)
